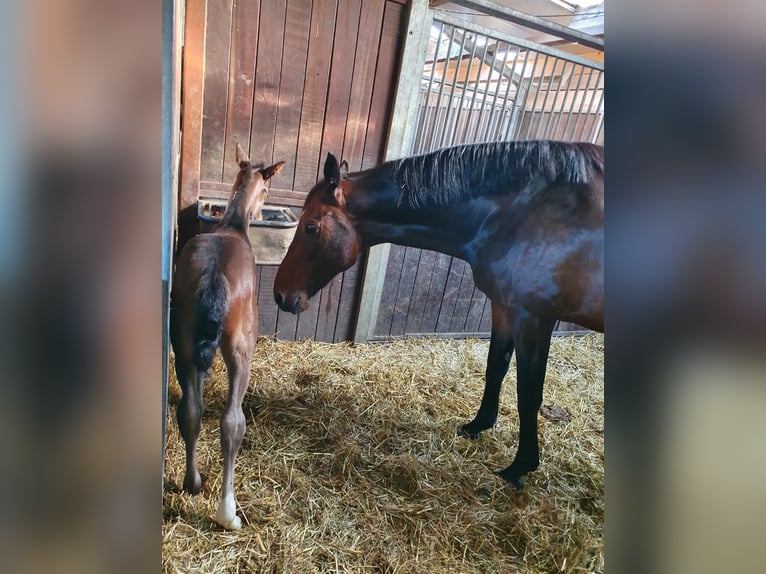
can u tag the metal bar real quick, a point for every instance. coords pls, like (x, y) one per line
(497, 90)
(483, 100)
(574, 101)
(600, 121)
(499, 127)
(555, 112)
(403, 118)
(537, 94)
(521, 95)
(469, 45)
(557, 122)
(545, 100)
(590, 104)
(533, 22)
(448, 113)
(472, 101)
(472, 27)
(482, 115)
(425, 108)
(582, 105)
(437, 106)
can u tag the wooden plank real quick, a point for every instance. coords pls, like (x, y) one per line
(420, 291)
(239, 109)
(399, 138)
(217, 44)
(405, 290)
(449, 299)
(462, 301)
(435, 294)
(388, 296)
(191, 119)
(383, 89)
(267, 310)
(475, 310)
(336, 115)
(308, 163)
(291, 89)
(357, 126)
(267, 75)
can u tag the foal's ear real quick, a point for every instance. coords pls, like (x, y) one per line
(242, 158)
(333, 172)
(268, 172)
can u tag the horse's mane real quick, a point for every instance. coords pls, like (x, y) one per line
(459, 173)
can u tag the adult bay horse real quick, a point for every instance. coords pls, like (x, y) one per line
(527, 216)
(213, 304)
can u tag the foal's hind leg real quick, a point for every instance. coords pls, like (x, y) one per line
(189, 416)
(500, 351)
(237, 355)
(533, 341)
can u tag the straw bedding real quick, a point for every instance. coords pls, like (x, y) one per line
(351, 463)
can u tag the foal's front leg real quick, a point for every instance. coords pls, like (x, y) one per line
(237, 358)
(498, 360)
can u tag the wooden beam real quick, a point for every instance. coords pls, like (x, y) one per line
(533, 22)
(399, 142)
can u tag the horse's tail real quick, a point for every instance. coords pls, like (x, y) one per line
(212, 306)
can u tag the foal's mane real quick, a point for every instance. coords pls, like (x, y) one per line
(233, 216)
(462, 172)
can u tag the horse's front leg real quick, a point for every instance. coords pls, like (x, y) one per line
(237, 356)
(533, 341)
(500, 351)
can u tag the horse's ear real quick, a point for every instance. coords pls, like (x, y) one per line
(271, 171)
(331, 169)
(242, 158)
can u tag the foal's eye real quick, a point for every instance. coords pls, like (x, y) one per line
(311, 228)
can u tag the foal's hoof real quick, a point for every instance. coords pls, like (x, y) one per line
(468, 432)
(230, 523)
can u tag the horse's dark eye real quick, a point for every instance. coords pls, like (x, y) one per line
(311, 229)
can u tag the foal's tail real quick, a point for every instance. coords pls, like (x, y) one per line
(212, 305)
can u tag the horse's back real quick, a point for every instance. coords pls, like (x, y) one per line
(544, 253)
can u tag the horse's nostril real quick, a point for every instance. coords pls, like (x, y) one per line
(278, 298)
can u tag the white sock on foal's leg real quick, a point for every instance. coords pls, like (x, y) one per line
(226, 515)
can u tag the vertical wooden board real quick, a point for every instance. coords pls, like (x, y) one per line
(462, 302)
(336, 115)
(485, 323)
(370, 24)
(344, 323)
(191, 119)
(475, 309)
(294, 56)
(436, 286)
(244, 43)
(449, 299)
(267, 76)
(217, 42)
(357, 123)
(388, 297)
(404, 294)
(420, 292)
(267, 309)
(307, 162)
(385, 82)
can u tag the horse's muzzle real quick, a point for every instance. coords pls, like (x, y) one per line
(293, 303)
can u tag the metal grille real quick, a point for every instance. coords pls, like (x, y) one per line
(477, 87)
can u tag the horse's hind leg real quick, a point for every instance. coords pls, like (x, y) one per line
(237, 355)
(189, 416)
(533, 341)
(500, 351)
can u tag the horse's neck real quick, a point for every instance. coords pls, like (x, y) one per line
(449, 229)
(236, 217)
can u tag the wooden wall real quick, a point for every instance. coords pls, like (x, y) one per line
(290, 80)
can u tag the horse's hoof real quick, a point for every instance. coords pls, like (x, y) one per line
(231, 524)
(193, 483)
(512, 477)
(467, 432)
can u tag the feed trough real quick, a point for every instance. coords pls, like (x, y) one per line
(270, 236)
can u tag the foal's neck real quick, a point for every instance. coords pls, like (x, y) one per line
(237, 215)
